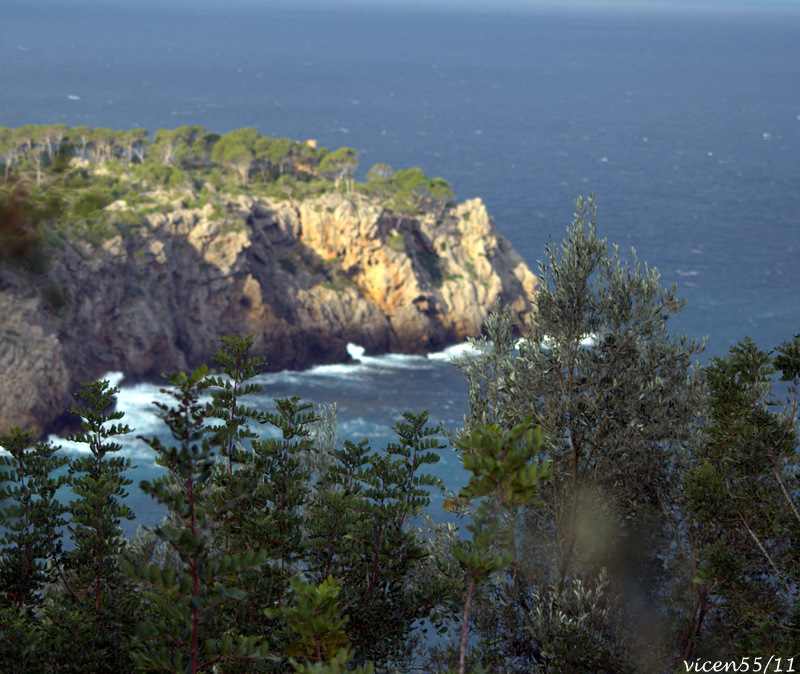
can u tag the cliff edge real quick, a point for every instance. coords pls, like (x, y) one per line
(305, 278)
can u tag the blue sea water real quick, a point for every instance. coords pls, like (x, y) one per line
(683, 119)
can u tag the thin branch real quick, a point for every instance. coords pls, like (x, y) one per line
(758, 542)
(786, 493)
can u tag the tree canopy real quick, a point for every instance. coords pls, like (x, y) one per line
(627, 509)
(244, 158)
(667, 531)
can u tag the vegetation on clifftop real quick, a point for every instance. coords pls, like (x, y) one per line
(72, 175)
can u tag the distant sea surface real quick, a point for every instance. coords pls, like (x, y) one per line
(684, 123)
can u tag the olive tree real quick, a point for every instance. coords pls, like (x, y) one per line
(617, 400)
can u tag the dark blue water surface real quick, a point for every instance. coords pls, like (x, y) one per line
(684, 122)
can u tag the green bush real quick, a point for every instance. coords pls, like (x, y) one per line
(89, 202)
(75, 179)
(161, 175)
(21, 227)
(100, 229)
(132, 219)
(397, 242)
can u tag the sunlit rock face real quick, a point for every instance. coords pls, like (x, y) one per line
(305, 278)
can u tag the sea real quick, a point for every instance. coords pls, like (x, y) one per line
(683, 119)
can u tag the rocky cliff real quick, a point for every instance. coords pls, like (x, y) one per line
(304, 278)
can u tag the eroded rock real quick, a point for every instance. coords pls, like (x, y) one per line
(305, 279)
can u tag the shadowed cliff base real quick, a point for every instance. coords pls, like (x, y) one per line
(305, 277)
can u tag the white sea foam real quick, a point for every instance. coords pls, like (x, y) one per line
(355, 351)
(335, 370)
(466, 349)
(357, 428)
(385, 361)
(404, 361)
(462, 349)
(358, 353)
(587, 341)
(113, 378)
(389, 361)
(141, 415)
(138, 403)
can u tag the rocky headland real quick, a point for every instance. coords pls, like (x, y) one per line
(304, 277)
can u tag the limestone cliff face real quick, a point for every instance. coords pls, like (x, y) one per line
(304, 278)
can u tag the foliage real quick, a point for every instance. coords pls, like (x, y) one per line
(95, 610)
(97, 512)
(397, 242)
(60, 183)
(742, 491)
(340, 165)
(172, 147)
(33, 519)
(236, 150)
(411, 190)
(623, 517)
(297, 188)
(160, 174)
(564, 617)
(506, 474)
(184, 602)
(314, 616)
(379, 170)
(88, 203)
(618, 404)
(360, 535)
(21, 225)
(278, 554)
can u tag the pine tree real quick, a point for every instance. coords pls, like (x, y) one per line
(177, 638)
(98, 480)
(743, 494)
(32, 520)
(360, 532)
(92, 613)
(506, 474)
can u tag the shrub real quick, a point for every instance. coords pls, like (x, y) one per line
(271, 530)
(161, 175)
(89, 202)
(397, 242)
